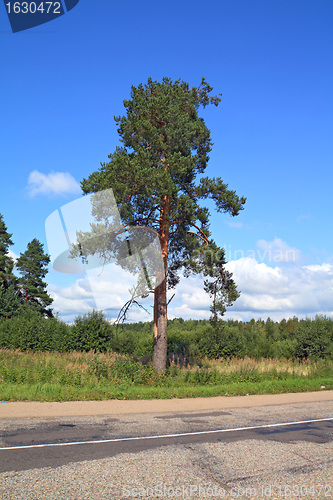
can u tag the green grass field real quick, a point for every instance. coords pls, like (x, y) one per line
(45, 376)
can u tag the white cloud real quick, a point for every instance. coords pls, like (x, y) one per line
(281, 292)
(13, 255)
(106, 289)
(190, 292)
(278, 292)
(186, 312)
(277, 250)
(72, 300)
(54, 183)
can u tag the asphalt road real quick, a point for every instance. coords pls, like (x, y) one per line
(202, 455)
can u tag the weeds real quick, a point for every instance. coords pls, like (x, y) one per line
(46, 376)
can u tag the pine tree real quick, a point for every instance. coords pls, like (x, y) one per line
(6, 262)
(33, 267)
(165, 148)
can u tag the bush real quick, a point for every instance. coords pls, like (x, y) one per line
(30, 330)
(286, 348)
(314, 339)
(124, 340)
(221, 341)
(91, 332)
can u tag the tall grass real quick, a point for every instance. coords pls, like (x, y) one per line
(45, 376)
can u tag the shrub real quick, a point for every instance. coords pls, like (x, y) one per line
(221, 341)
(30, 330)
(314, 339)
(91, 332)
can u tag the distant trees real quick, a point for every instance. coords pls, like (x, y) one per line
(189, 342)
(28, 290)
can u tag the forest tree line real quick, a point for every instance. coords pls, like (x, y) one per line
(188, 341)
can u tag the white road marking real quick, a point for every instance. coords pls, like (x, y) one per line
(162, 436)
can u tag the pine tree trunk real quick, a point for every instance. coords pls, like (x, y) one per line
(160, 328)
(160, 296)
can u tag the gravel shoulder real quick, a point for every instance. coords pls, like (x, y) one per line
(23, 409)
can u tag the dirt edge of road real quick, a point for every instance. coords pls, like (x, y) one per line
(22, 409)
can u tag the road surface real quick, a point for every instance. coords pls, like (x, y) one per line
(250, 447)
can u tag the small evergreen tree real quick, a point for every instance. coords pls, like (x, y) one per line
(32, 265)
(6, 262)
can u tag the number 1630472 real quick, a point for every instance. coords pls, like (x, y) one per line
(33, 7)
(303, 491)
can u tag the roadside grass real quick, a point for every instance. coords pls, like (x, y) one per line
(51, 376)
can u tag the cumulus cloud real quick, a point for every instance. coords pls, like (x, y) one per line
(276, 291)
(281, 291)
(54, 184)
(73, 299)
(277, 250)
(106, 289)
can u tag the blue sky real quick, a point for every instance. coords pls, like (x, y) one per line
(63, 82)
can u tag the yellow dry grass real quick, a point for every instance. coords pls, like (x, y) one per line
(248, 365)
